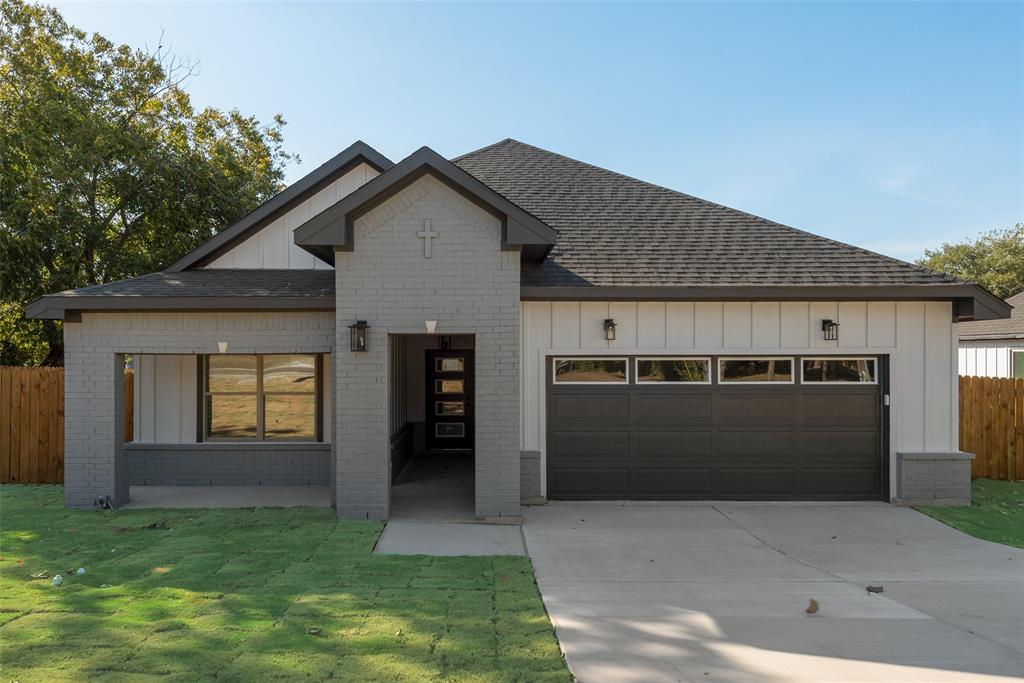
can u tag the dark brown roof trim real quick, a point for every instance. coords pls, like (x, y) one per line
(332, 229)
(59, 308)
(270, 210)
(995, 336)
(971, 301)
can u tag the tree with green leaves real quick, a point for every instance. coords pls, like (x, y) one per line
(995, 260)
(107, 171)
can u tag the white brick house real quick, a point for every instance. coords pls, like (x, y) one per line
(570, 332)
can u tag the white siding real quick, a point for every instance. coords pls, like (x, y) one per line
(165, 398)
(167, 394)
(987, 359)
(273, 246)
(917, 336)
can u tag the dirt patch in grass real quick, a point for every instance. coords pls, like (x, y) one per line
(256, 594)
(996, 512)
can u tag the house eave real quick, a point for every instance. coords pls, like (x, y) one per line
(972, 302)
(56, 307)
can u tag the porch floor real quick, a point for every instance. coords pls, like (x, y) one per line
(435, 488)
(228, 496)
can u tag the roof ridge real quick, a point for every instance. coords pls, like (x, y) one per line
(485, 147)
(891, 259)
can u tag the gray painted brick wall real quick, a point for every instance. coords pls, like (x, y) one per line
(934, 478)
(224, 464)
(529, 478)
(469, 286)
(94, 462)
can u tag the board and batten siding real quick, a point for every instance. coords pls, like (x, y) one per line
(988, 358)
(274, 247)
(917, 336)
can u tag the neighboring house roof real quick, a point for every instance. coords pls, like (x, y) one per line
(1008, 328)
(333, 228)
(199, 289)
(299, 191)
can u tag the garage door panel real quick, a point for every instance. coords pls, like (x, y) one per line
(755, 445)
(667, 483)
(589, 482)
(670, 444)
(755, 481)
(839, 481)
(760, 442)
(838, 406)
(839, 444)
(673, 407)
(749, 407)
(590, 406)
(589, 444)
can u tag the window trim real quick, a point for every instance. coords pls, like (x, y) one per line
(260, 394)
(556, 359)
(824, 383)
(1013, 362)
(636, 371)
(722, 359)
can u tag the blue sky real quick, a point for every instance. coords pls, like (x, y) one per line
(892, 126)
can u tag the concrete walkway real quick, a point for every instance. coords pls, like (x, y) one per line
(666, 593)
(228, 496)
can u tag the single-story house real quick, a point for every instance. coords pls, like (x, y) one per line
(994, 348)
(578, 333)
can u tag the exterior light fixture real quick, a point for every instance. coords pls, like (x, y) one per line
(830, 330)
(431, 326)
(609, 329)
(357, 335)
(222, 347)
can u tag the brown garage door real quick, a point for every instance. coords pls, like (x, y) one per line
(705, 428)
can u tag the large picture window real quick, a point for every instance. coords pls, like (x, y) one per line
(261, 397)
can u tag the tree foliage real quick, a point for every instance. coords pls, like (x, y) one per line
(995, 260)
(107, 170)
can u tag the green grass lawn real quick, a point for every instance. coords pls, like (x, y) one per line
(254, 594)
(996, 512)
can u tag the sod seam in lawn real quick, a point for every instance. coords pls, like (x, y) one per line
(996, 512)
(253, 594)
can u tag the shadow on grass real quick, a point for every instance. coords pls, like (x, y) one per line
(253, 594)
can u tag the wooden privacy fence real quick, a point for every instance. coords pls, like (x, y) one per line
(992, 426)
(32, 423)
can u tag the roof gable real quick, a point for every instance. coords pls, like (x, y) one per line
(1009, 328)
(332, 229)
(275, 207)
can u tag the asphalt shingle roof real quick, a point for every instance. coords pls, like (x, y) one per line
(619, 231)
(1008, 328)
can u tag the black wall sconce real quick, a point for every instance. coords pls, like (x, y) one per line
(830, 328)
(609, 329)
(357, 335)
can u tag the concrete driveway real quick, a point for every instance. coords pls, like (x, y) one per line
(667, 592)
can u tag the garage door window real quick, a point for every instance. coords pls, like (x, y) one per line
(839, 371)
(673, 370)
(590, 371)
(755, 370)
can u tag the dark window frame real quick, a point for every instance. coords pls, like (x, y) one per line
(205, 393)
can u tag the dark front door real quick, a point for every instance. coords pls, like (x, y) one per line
(450, 400)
